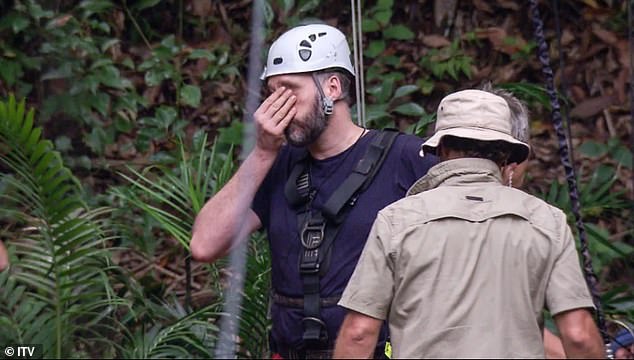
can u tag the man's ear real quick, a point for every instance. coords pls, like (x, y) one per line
(332, 87)
(507, 171)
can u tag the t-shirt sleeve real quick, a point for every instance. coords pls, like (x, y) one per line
(370, 288)
(262, 200)
(414, 166)
(566, 288)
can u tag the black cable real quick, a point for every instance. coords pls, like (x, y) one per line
(563, 83)
(544, 58)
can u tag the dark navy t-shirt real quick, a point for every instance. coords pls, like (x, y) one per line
(401, 168)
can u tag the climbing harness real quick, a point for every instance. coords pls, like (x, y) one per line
(591, 278)
(318, 228)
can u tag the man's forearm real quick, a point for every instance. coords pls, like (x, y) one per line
(553, 346)
(358, 336)
(348, 347)
(4, 257)
(227, 215)
(579, 334)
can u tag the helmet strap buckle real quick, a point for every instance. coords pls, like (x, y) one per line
(328, 105)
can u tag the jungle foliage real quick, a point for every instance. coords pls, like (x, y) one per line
(119, 118)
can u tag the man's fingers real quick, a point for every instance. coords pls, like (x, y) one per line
(279, 103)
(287, 119)
(283, 111)
(266, 104)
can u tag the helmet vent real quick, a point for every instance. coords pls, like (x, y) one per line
(277, 61)
(306, 44)
(305, 54)
(312, 37)
(322, 34)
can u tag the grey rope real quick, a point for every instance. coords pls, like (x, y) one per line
(357, 40)
(229, 323)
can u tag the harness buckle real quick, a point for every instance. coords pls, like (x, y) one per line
(315, 330)
(313, 234)
(310, 262)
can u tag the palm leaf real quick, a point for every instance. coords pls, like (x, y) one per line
(174, 199)
(60, 272)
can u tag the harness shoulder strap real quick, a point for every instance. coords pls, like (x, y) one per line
(297, 186)
(361, 176)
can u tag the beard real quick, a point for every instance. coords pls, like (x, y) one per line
(304, 131)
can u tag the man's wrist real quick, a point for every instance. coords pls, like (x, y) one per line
(263, 154)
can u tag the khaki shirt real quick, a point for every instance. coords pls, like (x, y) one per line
(464, 266)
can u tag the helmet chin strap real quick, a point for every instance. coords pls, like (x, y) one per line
(327, 102)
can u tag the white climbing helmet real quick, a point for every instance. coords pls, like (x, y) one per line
(308, 48)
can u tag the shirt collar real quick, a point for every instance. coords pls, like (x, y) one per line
(458, 172)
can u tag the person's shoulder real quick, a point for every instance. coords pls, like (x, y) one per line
(408, 210)
(409, 140)
(409, 148)
(542, 214)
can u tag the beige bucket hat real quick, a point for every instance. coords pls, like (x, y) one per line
(478, 115)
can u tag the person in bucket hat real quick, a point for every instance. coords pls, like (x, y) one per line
(465, 265)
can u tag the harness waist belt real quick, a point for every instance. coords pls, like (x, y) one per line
(298, 302)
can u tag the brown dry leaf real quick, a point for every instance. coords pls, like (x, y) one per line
(593, 106)
(435, 41)
(620, 83)
(623, 51)
(507, 73)
(150, 94)
(578, 93)
(444, 9)
(119, 21)
(591, 3)
(509, 4)
(501, 41)
(567, 37)
(61, 20)
(201, 8)
(482, 6)
(606, 36)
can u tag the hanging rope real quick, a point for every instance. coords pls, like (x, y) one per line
(544, 58)
(229, 323)
(357, 39)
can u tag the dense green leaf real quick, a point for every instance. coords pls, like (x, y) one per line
(398, 32)
(370, 25)
(410, 109)
(190, 95)
(405, 90)
(375, 48)
(383, 16)
(14, 21)
(143, 4)
(10, 71)
(593, 148)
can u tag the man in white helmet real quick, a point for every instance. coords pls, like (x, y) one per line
(314, 182)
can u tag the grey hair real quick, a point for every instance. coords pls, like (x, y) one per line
(519, 113)
(346, 80)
